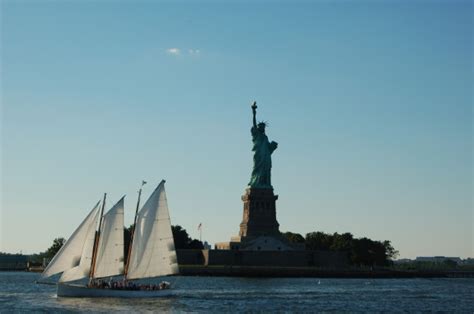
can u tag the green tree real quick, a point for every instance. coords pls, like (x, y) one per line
(57, 244)
(342, 242)
(369, 252)
(390, 251)
(378, 254)
(181, 237)
(182, 240)
(360, 252)
(195, 245)
(318, 241)
(127, 237)
(293, 237)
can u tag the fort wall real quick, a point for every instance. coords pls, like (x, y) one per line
(263, 258)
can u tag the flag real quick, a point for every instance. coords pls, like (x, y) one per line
(199, 226)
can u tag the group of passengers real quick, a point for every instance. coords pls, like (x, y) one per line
(127, 285)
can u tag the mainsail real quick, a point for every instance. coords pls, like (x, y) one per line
(73, 251)
(109, 261)
(153, 253)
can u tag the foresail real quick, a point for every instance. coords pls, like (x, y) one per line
(82, 270)
(153, 252)
(109, 260)
(69, 256)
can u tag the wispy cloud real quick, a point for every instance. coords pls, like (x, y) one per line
(179, 52)
(173, 51)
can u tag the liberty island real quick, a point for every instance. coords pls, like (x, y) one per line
(260, 242)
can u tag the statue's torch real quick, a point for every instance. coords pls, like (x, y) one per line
(254, 106)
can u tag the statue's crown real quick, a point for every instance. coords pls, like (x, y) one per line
(262, 123)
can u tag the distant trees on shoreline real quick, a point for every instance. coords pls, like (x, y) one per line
(361, 251)
(54, 248)
(182, 240)
(49, 253)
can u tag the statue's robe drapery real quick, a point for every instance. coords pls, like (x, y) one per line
(262, 161)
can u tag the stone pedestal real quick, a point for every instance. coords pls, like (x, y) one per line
(259, 217)
(259, 229)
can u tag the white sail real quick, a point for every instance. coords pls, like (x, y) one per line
(153, 253)
(109, 260)
(83, 269)
(69, 256)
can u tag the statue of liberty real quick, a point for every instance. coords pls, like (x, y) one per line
(262, 157)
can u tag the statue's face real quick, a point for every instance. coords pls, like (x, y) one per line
(261, 128)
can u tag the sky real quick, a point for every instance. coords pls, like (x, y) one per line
(371, 103)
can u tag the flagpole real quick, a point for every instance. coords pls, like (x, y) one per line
(200, 231)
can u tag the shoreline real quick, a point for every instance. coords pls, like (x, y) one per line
(309, 272)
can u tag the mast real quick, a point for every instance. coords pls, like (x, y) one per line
(132, 230)
(96, 240)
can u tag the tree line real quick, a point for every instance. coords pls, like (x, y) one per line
(361, 251)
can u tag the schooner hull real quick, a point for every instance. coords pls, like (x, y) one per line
(78, 291)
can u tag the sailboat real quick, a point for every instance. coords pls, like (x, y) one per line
(92, 260)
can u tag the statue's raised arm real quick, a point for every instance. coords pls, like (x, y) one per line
(254, 110)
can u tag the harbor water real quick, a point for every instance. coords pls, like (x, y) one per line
(19, 293)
